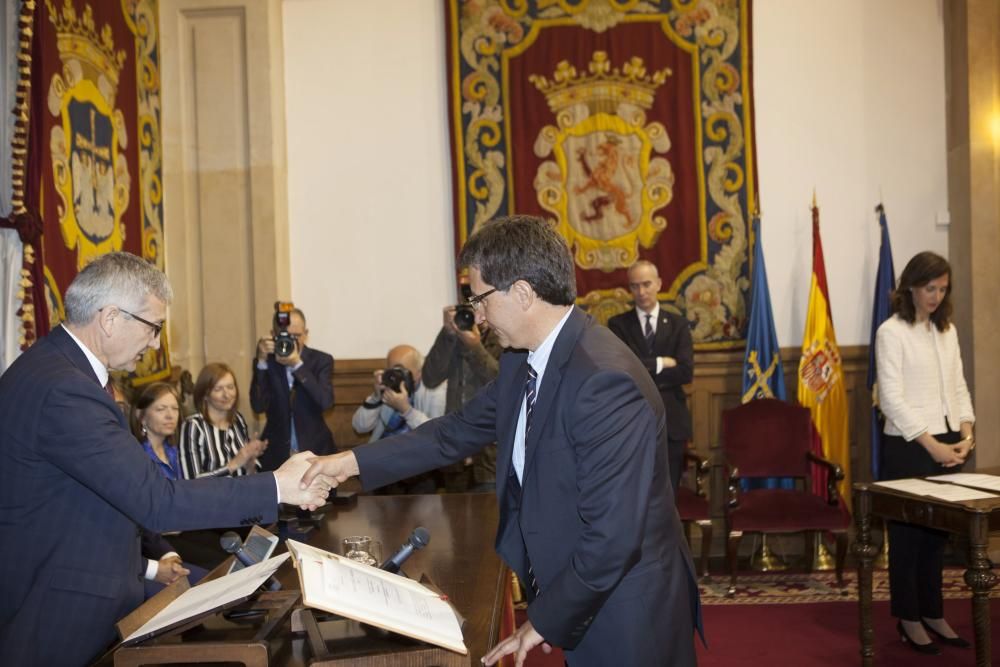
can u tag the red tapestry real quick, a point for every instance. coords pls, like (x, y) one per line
(625, 123)
(94, 149)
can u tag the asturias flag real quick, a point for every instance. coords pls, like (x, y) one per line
(885, 283)
(821, 375)
(762, 373)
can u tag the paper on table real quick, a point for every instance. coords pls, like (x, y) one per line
(342, 586)
(957, 493)
(910, 485)
(978, 480)
(210, 595)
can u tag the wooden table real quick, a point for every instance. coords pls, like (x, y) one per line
(459, 559)
(974, 518)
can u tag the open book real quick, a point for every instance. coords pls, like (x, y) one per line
(348, 588)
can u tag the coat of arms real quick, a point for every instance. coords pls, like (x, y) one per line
(605, 181)
(89, 167)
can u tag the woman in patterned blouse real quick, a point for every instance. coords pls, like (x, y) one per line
(215, 441)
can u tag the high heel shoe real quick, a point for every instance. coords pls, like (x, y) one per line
(930, 648)
(957, 642)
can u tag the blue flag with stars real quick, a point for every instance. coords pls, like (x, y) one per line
(885, 283)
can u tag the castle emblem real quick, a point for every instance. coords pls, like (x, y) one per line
(604, 184)
(90, 170)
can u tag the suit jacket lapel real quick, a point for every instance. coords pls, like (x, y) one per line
(552, 378)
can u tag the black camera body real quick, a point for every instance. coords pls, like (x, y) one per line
(398, 376)
(284, 342)
(465, 317)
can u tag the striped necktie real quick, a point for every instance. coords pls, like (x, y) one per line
(529, 398)
(648, 333)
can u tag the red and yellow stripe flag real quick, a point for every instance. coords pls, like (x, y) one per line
(821, 375)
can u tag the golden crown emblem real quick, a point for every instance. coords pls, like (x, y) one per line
(77, 39)
(604, 88)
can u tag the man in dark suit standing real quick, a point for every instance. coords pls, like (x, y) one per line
(662, 341)
(587, 515)
(75, 486)
(293, 391)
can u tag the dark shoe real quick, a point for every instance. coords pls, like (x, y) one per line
(930, 648)
(957, 642)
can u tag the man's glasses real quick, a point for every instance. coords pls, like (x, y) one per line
(155, 327)
(476, 299)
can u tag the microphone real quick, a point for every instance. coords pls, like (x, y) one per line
(232, 544)
(418, 539)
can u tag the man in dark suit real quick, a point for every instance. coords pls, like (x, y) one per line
(294, 391)
(75, 487)
(662, 341)
(587, 516)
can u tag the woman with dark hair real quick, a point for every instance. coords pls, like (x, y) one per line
(154, 423)
(215, 441)
(928, 431)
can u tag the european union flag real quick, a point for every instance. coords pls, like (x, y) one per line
(763, 376)
(885, 283)
(762, 373)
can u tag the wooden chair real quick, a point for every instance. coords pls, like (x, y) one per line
(692, 505)
(771, 438)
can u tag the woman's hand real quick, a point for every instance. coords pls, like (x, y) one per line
(247, 455)
(948, 456)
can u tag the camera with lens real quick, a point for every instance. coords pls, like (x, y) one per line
(284, 342)
(465, 317)
(398, 376)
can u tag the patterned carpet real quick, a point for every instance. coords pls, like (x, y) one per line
(803, 588)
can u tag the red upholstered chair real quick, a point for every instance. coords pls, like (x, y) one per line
(771, 438)
(692, 505)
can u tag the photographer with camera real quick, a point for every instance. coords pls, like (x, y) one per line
(400, 403)
(293, 385)
(466, 357)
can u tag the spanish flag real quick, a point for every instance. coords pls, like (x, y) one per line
(821, 375)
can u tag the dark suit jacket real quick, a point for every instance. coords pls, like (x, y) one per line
(673, 339)
(307, 399)
(595, 517)
(74, 491)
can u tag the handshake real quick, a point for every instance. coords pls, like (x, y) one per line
(306, 479)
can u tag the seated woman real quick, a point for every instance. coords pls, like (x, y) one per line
(215, 441)
(154, 424)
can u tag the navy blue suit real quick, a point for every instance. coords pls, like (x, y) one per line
(672, 339)
(595, 516)
(74, 491)
(305, 402)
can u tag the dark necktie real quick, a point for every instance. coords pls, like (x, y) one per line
(529, 399)
(648, 333)
(110, 389)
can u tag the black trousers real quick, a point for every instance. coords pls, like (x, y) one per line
(916, 554)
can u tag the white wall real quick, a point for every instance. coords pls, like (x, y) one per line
(369, 189)
(849, 101)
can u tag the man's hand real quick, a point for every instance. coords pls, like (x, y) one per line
(307, 496)
(169, 569)
(449, 320)
(265, 346)
(397, 400)
(378, 382)
(523, 640)
(336, 468)
(470, 338)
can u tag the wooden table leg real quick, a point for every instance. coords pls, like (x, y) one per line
(865, 552)
(980, 579)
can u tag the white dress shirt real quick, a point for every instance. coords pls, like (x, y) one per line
(538, 359)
